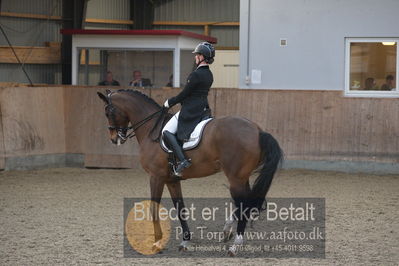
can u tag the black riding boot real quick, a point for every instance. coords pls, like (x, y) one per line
(173, 144)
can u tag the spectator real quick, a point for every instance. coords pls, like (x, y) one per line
(109, 81)
(369, 84)
(389, 83)
(170, 83)
(138, 81)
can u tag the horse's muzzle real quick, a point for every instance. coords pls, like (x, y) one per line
(120, 138)
(118, 141)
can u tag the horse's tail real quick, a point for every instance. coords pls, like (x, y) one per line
(272, 156)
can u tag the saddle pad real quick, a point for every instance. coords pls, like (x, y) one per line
(195, 137)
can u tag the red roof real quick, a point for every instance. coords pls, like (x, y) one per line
(140, 32)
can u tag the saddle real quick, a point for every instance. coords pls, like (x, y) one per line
(195, 137)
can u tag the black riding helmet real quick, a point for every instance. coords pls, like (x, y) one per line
(207, 50)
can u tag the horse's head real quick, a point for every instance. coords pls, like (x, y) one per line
(118, 120)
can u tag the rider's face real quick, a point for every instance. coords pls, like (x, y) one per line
(198, 58)
(137, 75)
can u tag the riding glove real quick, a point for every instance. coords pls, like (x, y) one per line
(166, 104)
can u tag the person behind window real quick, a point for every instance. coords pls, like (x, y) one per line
(139, 81)
(389, 83)
(170, 83)
(109, 80)
(369, 84)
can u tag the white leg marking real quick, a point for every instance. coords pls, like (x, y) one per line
(228, 224)
(238, 241)
(157, 245)
(183, 245)
(228, 228)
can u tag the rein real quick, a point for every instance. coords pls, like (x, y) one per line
(122, 131)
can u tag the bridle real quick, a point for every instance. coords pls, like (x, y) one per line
(122, 132)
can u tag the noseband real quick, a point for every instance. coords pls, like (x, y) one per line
(122, 131)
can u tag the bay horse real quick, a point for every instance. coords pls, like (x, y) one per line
(231, 144)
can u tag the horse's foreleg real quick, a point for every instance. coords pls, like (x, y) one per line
(157, 184)
(177, 198)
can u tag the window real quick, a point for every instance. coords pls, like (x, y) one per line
(152, 68)
(371, 67)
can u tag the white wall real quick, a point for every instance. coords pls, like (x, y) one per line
(315, 32)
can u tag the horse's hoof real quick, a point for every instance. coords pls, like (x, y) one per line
(183, 245)
(238, 241)
(156, 247)
(233, 250)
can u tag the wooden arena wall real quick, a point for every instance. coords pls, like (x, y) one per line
(32, 122)
(310, 125)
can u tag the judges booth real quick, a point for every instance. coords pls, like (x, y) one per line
(162, 56)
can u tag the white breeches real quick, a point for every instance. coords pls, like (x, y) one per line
(171, 126)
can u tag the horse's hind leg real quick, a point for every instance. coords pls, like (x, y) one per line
(241, 195)
(228, 226)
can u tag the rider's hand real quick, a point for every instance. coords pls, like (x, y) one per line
(166, 104)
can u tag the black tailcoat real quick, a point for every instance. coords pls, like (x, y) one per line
(194, 101)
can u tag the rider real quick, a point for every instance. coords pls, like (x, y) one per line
(194, 105)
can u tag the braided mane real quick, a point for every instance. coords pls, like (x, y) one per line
(142, 95)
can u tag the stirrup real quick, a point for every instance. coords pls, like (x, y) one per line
(181, 166)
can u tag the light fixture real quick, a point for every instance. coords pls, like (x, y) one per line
(388, 43)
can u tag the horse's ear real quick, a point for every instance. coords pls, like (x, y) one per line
(103, 97)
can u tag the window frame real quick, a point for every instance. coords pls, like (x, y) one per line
(118, 49)
(363, 93)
